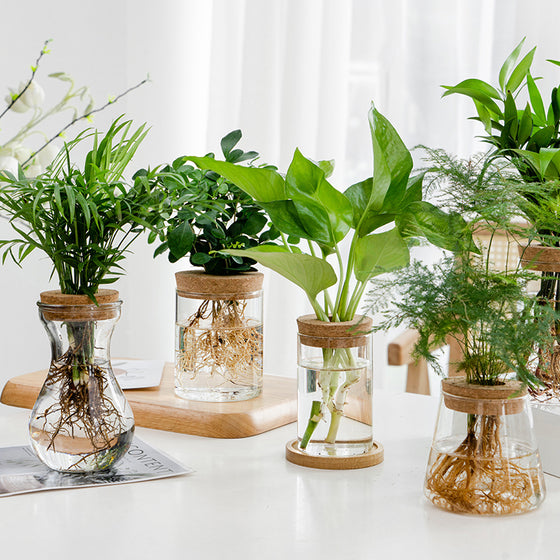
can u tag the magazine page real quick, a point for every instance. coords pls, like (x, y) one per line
(21, 471)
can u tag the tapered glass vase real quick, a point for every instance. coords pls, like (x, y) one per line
(81, 421)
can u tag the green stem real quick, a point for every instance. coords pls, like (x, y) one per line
(340, 309)
(314, 418)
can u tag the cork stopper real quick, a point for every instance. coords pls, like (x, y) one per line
(324, 334)
(487, 400)
(196, 284)
(56, 306)
(538, 257)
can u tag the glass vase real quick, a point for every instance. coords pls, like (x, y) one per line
(218, 336)
(484, 458)
(81, 421)
(334, 387)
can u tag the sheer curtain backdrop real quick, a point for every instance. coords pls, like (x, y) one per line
(288, 73)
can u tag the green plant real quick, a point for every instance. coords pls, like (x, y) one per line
(304, 205)
(207, 214)
(490, 315)
(28, 98)
(84, 220)
(527, 134)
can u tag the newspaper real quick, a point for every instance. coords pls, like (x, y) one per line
(21, 471)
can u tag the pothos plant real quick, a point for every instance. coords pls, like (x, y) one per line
(84, 220)
(207, 214)
(526, 132)
(382, 213)
(493, 319)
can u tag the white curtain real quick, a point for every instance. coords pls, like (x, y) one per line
(288, 73)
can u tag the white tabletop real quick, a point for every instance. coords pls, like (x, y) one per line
(244, 500)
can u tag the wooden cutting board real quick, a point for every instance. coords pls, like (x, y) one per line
(161, 409)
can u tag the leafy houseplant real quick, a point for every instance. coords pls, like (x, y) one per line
(526, 132)
(483, 458)
(219, 309)
(84, 220)
(304, 205)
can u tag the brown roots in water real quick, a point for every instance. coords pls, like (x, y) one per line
(547, 370)
(478, 479)
(82, 409)
(231, 347)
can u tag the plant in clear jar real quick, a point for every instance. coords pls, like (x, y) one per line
(484, 459)
(84, 220)
(303, 205)
(219, 335)
(526, 132)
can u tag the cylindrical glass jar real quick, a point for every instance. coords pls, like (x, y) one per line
(81, 421)
(218, 336)
(484, 458)
(334, 387)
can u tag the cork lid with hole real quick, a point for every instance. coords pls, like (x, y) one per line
(57, 306)
(326, 334)
(539, 257)
(200, 285)
(490, 400)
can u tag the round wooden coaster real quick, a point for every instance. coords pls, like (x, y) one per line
(295, 455)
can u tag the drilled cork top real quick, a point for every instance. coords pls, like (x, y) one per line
(192, 282)
(459, 387)
(56, 297)
(327, 334)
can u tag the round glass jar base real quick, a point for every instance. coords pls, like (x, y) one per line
(217, 394)
(338, 449)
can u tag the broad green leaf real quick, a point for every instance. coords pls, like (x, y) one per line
(312, 274)
(478, 85)
(359, 195)
(392, 164)
(180, 240)
(200, 259)
(557, 62)
(525, 126)
(541, 138)
(327, 166)
(520, 71)
(509, 64)
(413, 190)
(229, 141)
(264, 185)
(378, 253)
(306, 184)
(422, 219)
(486, 100)
(533, 159)
(536, 99)
(484, 116)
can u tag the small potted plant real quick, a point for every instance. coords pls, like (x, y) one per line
(219, 331)
(334, 351)
(484, 459)
(84, 220)
(527, 134)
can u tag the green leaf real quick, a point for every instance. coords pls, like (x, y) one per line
(520, 72)
(508, 64)
(422, 219)
(327, 166)
(486, 100)
(378, 253)
(307, 186)
(536, 99)
(525, 126)
(229, 141)
(180, 240)
(484, 116)
(200, 259)
(557, 62)
(414, 190)
(310, 273)
(476, 85)
(264, 185)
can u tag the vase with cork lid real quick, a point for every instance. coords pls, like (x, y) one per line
(81, 421)
(219, 336)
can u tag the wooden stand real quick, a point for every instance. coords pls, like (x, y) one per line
(161, 409)
(295, 455)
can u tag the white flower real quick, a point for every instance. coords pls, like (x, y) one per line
(19, 106)
(34, 95)
(21, 153)
(9, 163)
(33, 171)
(47, 154)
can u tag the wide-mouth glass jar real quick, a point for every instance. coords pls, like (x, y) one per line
(218, 336)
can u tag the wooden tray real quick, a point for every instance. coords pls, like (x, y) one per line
(161, 409)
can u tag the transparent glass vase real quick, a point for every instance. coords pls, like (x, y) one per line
(484, 458)
(218, 336)
(81, 421)
(334, 387)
